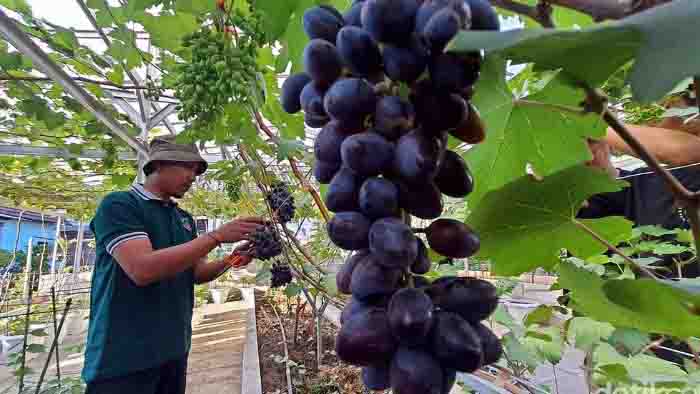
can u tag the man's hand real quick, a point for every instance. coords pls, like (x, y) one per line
(237, 230)
(240, 257)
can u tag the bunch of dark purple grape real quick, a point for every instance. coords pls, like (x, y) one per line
(281, 202)
(266, 243)
(281, 274)
(386, 96)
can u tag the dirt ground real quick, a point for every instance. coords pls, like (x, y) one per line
(332, 377)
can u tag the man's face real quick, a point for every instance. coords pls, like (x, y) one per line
(176, 178)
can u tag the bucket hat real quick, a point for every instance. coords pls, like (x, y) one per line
(164, 148)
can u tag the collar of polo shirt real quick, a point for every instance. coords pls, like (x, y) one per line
(140, 191)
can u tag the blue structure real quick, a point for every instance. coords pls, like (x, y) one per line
(42, 231)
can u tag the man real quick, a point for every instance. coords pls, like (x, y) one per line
(647, 200)
(148, 259)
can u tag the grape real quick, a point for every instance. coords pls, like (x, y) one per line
(315, 121)
(371, 281)
(358, 51)
(322, 23)
(452, 73)
(430, 7)
(473, 299)
(490, 343)
(343, 191)
(290, 91)
(324, 171)
(327, 143)
(389, 21)
(322, 61)
(472, 129)
(355, 306)
(365, 339)
(441, 28)
(405, 64)
(410, 316)
(420, 200)
(353, 16)
(422, 264)
(414, 371)
(266, 243)
(311, 100)
(452, 238)
(376, 377)
(281, 275)
(367, 153)
(416, 157)
(344, 276)
(350, 100)
(333, 11)
(437, 111)
(281, 202)
(393, 117)
(393, 243)
(379, 198)
(484, 17)
(455, 343)
(349, 230)
(454, 178)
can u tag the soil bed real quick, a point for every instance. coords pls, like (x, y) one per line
(332, 376)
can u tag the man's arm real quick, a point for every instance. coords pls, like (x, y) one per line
(672, 147)
(208, 271)
(145, 266)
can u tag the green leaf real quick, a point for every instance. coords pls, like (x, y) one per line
(539, 217)
(167, 31)
(194, 6)
(585, 333)
(610, 44)
(330, 285)
(290, 126)
(17, 5)
(654, 231)
(294, 39)
(632, 341)
(39, 332)
(528, 130)
(116, 75)
(292, 290)
(667, 248)
(651, 36)
(276, 16)
(547, 342)
(126, 53)
(288, 148)
(517, 352)
(668, 303)
(36, 348)
(587, 292)
(540, 315)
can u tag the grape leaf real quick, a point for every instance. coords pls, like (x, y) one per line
(655, 231)
(526, 130)
(657, 300)
(589, 297)
(539, 217)
(654, 37)
(631, 340)
(167, 31)
(585, 332)
(277, 15)
(17, 5)
(551, 49)
(540, 315)
(294, 39)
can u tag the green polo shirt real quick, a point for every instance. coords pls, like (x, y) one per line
(135, 328)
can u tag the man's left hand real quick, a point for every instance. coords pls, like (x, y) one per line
(240, 257)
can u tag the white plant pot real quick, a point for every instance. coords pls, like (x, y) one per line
(11, 343)
(218, 295)
(519, 308)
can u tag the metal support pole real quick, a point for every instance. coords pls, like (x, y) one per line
(78, 251)
(56, 238)
(28, 270)
(24, 44)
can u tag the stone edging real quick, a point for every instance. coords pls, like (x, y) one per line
(251, 382)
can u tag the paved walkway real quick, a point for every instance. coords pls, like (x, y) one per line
(215, 363)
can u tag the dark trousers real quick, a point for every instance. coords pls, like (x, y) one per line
(168, 378)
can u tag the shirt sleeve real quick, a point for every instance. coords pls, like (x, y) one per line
(117, 220)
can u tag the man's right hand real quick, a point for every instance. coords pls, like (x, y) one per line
(238, 229)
